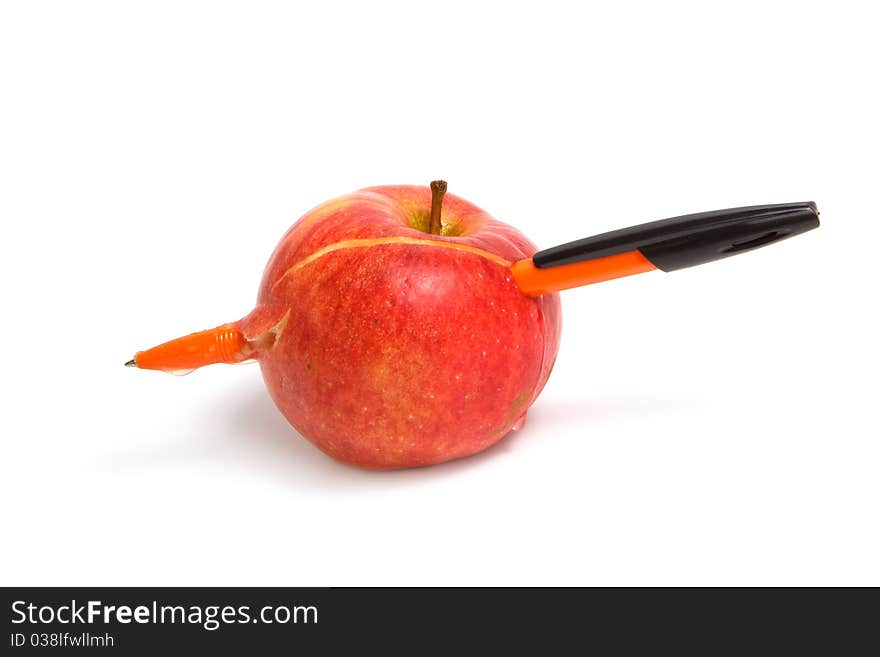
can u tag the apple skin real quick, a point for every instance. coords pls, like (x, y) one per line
(389, 347)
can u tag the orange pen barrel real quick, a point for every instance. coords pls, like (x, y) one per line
(535, 281)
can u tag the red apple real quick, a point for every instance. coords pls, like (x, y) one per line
(396, 331)
(388, 346)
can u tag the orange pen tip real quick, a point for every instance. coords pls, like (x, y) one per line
(223, 344)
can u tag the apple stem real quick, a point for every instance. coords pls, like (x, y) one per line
(438, 190)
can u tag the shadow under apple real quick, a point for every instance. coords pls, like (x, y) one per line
(247, 435)
(271, 445)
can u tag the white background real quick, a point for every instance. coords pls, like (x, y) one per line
(716, 425)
